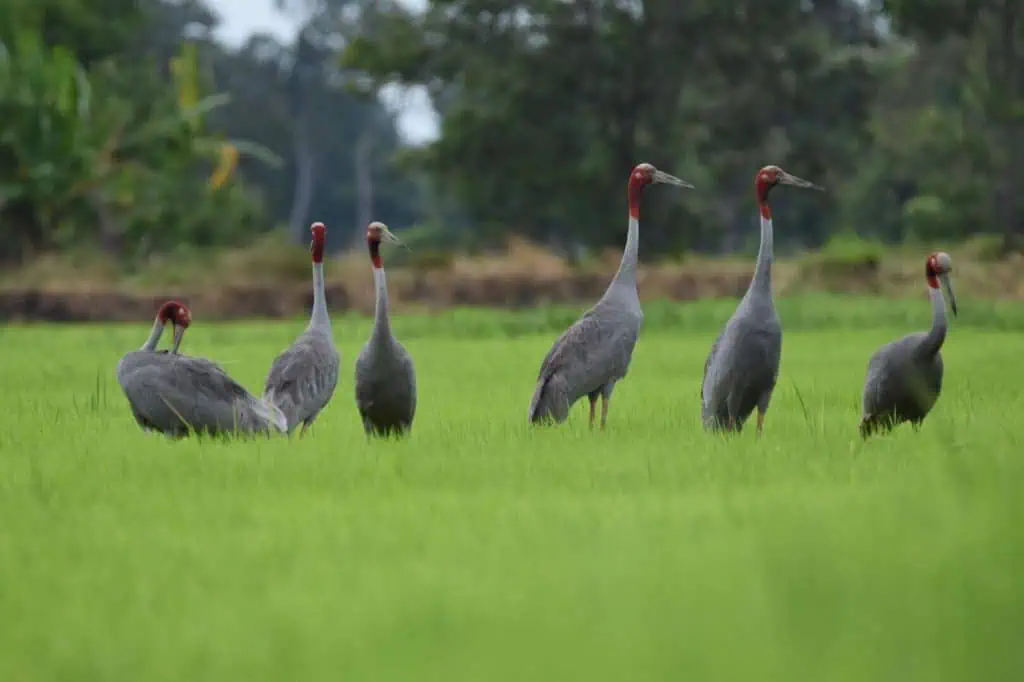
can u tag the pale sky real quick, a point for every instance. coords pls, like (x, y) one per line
(241, 18)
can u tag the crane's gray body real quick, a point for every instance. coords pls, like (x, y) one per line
(903, 383)
(904, 377)
(594, 353)
(302, 379)
(742, 367)
(385, 376)
(177, 394)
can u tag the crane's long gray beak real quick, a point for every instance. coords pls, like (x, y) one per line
(787, 179)
(389, 236)
(666, 179)
(179, 334)
(947, 284)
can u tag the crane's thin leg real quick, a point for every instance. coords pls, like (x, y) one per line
(593, 405)
(605, 399)
(760, 422)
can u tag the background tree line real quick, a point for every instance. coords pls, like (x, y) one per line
(123, 123)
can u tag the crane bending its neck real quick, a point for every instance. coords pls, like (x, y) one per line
(762, 278)
(170, 311)
(155, 334)
(381, 319)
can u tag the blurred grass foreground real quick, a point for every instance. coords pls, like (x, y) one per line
(484, 549)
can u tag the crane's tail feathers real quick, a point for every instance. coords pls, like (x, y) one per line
(535, 401)
(717, 420)
(273, 415)
(549, 404)
(719, 424)
(279, 407)
(871, 424)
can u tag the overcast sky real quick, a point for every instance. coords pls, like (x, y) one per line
(241, 18)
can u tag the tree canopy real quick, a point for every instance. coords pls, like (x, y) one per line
(910, 116)
(126, 124)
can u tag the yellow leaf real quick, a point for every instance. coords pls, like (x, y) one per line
(226, 165)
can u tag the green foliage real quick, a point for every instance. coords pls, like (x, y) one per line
(543, 117)
(82, 161)
(983, 248)
(136, 140)
(844, 258)
(971, 54)
(913, 119)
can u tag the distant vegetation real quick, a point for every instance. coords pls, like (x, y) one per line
(126, 129)
(271, 279)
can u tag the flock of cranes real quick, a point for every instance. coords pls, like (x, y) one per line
(177, 395)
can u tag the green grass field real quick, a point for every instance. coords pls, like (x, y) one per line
(483, 550)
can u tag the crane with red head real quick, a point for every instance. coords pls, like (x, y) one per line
(742, 368)
(302, 379)
(385, 376)
(594, 353)
(180, 395)
(904, 377)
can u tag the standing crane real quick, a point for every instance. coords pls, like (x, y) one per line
(177, 394)
(904, 377)
(743, 365)
(385, 375)
(303, 377)
(594, 353)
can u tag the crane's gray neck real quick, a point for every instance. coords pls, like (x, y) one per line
(319, 318)
(154, 336)
(381, 321)
(625, 278)
(762, 279)
(940, 323)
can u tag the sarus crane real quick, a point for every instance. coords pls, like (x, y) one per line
(302, 379)
(904, 377)
(385, 375)
(594, 353)
(178, 395)
(743, 366)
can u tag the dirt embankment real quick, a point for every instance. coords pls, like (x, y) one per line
(430, 291)
(223, 293)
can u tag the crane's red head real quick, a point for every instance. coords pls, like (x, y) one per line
(645, 174)
(937, 265)
(176, 313)
(937, 268)
(377, 232)
(319, 231)
(770, 176)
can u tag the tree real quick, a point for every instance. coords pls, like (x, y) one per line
(149, 134)
(990, 34)
(547, 105)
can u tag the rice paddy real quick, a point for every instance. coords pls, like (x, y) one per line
(483, 549)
